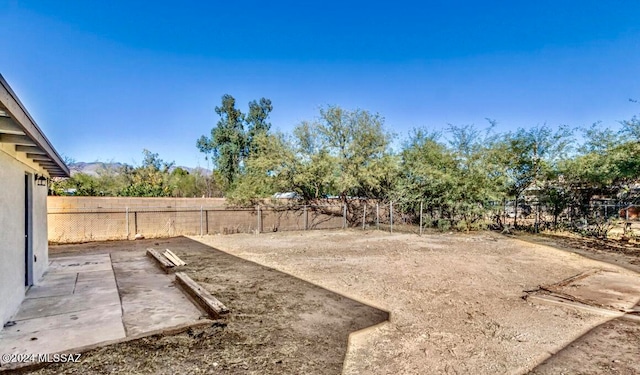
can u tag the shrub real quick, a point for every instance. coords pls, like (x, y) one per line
(444, 225)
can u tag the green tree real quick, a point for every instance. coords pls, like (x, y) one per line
(526, 155)
(84, 184)
(112, 177)
(341, 153)
(426, 173)
(257, 122)
(153, 178)
(477, 178)
(230, 144)
(607, 164)
(359, 146)
(452, 179)
(556, 196)
(631, 129)
(149, 179)
(315, 167)
(227, 142)
(271, 168)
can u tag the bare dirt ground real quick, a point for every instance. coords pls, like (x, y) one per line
(613, 347)
(455, 300)
(455, 304)
(612, 251)
(278, 323)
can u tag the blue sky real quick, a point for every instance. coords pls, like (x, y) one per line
(106, 79)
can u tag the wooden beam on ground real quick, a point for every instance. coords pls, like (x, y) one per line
(21, 140)
(161, 261)
(178, 258)
(31, 150)
(171, 258)
(208, 302)
(174, 258)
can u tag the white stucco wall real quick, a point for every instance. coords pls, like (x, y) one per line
(13, 167)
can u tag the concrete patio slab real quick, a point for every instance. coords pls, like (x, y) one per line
(62, 333)
(65, 321)
(150, 298)
(85, 300)
(51, 306)
(97, 275)
(80, 263)
(57, 285)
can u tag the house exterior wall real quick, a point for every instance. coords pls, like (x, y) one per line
(12, 217)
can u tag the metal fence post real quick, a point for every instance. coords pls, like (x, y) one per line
(377, 215)
(627, 213)
(391, 216)
(364, 215)
(201, 221)
(306, 218)
(344, 216)
(127, 220)
(504, 211)
(259, 220)
(135, 221)
(421, 218)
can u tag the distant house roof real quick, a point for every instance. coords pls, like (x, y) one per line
(17, 127)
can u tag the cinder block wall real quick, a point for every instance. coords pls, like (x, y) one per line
(74, 203)
(81, 219)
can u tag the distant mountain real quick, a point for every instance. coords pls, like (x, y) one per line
(94, 168)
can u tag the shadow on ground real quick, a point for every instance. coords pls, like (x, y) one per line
(278, 323)
(609, 348)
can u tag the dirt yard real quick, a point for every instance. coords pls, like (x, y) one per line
(454, 301)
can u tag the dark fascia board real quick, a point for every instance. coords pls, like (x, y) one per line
(20, 115)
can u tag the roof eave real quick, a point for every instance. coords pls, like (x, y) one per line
(55, 166)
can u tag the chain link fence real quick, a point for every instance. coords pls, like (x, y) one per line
(537, 216)
(69, 225)
(597, 218)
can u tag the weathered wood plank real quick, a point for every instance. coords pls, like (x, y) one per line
(161, 261)
(171, 258)
(178, 261)
(208, 302)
